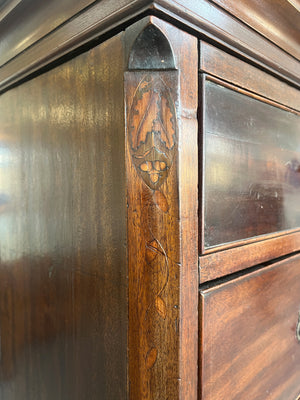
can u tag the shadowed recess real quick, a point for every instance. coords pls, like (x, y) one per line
(151, 50)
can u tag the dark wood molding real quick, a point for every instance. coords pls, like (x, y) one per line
(218, 63)
(162, 211)
(24, 22)
(279, 20)
(7, 6)
(228, 261)
(81, 29)
(265, 99)
(203, 18)
(217, 25)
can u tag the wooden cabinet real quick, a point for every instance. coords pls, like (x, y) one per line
(149, 198)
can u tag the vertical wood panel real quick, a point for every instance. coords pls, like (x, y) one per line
(63, 271)
(162, 213)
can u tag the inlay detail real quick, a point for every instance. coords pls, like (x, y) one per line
(152, 130)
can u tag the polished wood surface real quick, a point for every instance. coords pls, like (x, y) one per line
(214, 23)
(63, 270)
(206, 19)
(218, 63)
(162, 211)
(104, 237)
(251, 167)
(7, 6)
(251, 252)
(278, 20)
(249, 345)
(84, 28)
(31, 20)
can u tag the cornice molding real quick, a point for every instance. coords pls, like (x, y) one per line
(277, 20)
(6, 7)
(203, 18)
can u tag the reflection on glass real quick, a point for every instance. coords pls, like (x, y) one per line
(252, 178)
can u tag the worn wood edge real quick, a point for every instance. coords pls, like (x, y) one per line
(209, 289)
(94, 23)
(202, 161)
(216, 62)
(243, 242)
(201, 344)
(188, 206)
(254, 95)
(228, 261)
(236, 38)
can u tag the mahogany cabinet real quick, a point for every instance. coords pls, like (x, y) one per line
(150, 200)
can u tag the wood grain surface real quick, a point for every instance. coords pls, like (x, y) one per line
(248, 344)
(205, 18)
(63, 270)
(161, 104)
(33, 20)
(278, 20)
(225, 66)
(226, 261)
(213, 22)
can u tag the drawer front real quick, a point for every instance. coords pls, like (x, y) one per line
(251, 176)
(250, 339)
